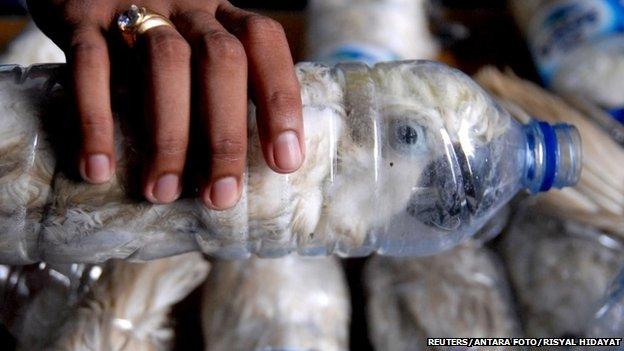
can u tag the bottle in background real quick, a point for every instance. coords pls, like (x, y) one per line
(578, 47)
(368, 31)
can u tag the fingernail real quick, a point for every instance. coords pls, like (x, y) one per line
(224, 193)
(167, 188)
(97, 168)
(286, 151)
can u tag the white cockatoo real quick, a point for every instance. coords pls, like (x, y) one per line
(560, 271)
(289, 303)
(462, 293)
(579, 58)
(127, 308)
(378, 141)
(128, 305)
(117, 306)
(26, 160)
(369, 30)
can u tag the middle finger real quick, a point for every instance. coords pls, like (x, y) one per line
(222, 73)
(168, 97)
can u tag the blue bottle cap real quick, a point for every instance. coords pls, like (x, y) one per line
(553, 156)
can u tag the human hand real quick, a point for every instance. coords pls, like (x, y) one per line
(225, 50)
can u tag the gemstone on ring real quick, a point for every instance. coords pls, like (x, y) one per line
(136, 20)
(130, 18)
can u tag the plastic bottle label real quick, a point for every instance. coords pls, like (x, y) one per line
(368, 54)
(565, 25)
(617, 114)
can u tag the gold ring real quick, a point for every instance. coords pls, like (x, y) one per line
(138, 20)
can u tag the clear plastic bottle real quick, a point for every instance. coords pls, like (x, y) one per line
(288, 304)
(403, 158)
(36, 299)
(559, 270)
(578, 47)
(368, 31)
(608, 321)
(463, 293)
(117, 306)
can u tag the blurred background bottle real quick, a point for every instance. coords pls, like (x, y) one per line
(578, 47)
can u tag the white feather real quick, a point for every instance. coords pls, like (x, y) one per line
(128, 307)
(287, 303)
(354, 178)
(560, 270)
(462, 293)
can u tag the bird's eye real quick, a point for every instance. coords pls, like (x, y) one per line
(407, 136)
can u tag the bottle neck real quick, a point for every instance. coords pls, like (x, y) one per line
(553, 156)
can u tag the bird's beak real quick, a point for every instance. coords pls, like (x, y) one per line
(439, 198)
